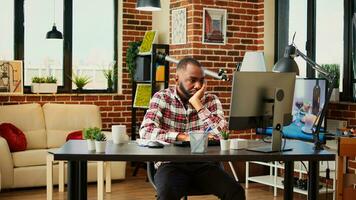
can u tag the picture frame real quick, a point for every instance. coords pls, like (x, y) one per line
(214, 26)
(149, 38)
(142, 96)
(11, 77)
(179, 26)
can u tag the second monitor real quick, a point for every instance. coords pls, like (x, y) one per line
(262, 99)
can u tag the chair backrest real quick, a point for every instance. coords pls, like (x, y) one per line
(151, 171)
(345, 181)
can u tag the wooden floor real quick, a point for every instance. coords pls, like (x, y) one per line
(135, 188)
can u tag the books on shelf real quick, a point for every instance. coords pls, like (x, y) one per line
(142, 96)
(146, 45)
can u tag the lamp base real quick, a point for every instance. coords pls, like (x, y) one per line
(318, 146)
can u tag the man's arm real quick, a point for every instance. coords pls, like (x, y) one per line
(152, 122)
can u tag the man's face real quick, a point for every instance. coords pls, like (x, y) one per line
(189, 81)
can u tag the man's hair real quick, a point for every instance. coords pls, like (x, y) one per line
(182, 64)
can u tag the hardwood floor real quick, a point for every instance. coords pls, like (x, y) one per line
(135, 188)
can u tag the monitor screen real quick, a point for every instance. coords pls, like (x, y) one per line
(308, 101)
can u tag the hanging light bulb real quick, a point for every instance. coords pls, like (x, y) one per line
(54, 33)
(148, 5)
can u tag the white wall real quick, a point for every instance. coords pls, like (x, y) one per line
(160, 22)
(269, 27)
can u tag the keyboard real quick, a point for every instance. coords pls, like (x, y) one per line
(187, 143)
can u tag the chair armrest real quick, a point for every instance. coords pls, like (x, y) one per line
(6, 164)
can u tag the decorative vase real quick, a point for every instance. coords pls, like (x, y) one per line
(91, 145)
(100, 146)
(335, 95)
(225, 145)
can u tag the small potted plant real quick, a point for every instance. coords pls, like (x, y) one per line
(89, 135)
(80, 81)
(100, 142)
(224, 141)
(110, 79)
(44, 84)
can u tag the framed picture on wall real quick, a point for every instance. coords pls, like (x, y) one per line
(11, 77)
(179, 29)
(214, 26)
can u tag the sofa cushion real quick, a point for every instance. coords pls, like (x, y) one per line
(15, 137)
(28, 158)
(61, 119)
(28, 118)
(75, 135)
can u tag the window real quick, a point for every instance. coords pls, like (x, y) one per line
(89, 44)
(7, 30)
(322, 33)
(42, 57)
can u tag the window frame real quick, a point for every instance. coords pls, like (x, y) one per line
(19, 36)
(281, 39)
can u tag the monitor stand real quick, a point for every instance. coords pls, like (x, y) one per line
(278, 115)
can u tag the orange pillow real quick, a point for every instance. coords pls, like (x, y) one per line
(75, 135)
(15, 138)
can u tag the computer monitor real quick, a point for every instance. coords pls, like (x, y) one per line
(308, 101)
(262, 99)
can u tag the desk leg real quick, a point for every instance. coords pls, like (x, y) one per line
(73, 175)
(313, 182)
(288, 180)
(82, 180)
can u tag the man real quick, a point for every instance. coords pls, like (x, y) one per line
(173, 113)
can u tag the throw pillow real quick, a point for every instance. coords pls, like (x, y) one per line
(15, 138)
(75, 135)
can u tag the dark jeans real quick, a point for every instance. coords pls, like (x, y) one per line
(174, 180)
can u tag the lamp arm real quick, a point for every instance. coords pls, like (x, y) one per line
(315, 66)
(221, 75)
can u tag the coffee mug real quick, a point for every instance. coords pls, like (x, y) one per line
(119, 134)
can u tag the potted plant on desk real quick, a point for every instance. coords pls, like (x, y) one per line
(100, 142)
(89, 135)
(224, 141)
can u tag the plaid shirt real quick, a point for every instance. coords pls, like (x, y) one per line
(167, 116)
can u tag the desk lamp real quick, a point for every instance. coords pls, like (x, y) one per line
(254, 61)
(288, 64)
(148, 5)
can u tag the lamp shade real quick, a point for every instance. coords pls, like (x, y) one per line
(54, 33)
(287, 63)
(148, 5)
(253, 61)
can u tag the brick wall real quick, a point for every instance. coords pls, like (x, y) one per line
(244, 33)
(115, 109)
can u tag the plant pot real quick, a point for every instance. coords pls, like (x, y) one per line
(100, 146)
(91, 145)
(79, 90)
(224, 145)
(44, 88)
(335, 95)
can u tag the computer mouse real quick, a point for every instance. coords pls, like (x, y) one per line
(154, 144)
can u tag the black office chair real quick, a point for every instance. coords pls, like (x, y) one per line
(151, 171)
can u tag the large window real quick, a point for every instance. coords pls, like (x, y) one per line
(322, 31)
(88, 47)
(7, 30)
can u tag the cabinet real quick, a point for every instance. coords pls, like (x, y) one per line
(153, 61)
(276, 181)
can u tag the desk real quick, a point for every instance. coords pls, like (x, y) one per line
(75, 151)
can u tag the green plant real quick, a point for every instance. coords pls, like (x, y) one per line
(51, 79)
(91, 133)
(109, 77)
(100, 137)
(225, 135)
(131, 55)
(334, 70)
(38, 79)
(80, 80)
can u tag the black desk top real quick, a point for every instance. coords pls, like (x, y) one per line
(77, 150)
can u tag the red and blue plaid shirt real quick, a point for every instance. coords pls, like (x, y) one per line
(167, 116)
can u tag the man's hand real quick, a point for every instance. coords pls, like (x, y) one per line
(183, 137)
(195, 100)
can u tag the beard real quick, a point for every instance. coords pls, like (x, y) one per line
(186, 93)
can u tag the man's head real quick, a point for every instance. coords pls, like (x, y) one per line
(189, 77)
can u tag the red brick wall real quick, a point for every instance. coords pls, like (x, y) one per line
(244, 33)
(115, 109)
